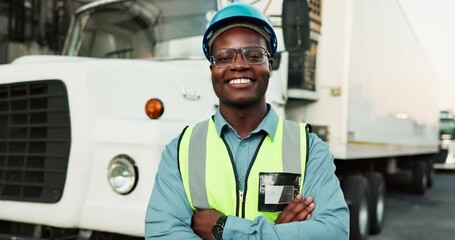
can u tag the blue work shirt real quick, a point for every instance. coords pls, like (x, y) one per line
(169, 213)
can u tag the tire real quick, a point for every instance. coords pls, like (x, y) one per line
(430, 173)
(377, 201)
(420, 177)
(356, 192)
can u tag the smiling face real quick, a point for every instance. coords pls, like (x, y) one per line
(240, 84)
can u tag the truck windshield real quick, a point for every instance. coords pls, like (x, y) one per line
(160, 29)
(446, 125)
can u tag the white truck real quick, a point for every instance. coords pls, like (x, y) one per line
(81, 137)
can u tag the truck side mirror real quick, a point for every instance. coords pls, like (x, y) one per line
(296, 25)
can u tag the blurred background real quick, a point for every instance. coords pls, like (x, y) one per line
(434, 25)
(34, 26)
(39, 27)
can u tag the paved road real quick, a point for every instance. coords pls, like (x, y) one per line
(421, 217)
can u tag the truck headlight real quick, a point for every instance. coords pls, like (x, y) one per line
(122, 174)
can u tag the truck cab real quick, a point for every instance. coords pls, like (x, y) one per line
(80, 137)
(446, 157)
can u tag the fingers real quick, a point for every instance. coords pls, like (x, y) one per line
(285, 215)
(305, 214)
(297, 210)
(295, 202)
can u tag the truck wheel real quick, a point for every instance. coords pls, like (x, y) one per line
(430, 172)
(377, 201)
(420, 177)
(356, 192)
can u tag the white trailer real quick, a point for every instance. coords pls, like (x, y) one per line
(376, 98)
(78, 153)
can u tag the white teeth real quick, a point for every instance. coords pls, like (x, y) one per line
(239, 81)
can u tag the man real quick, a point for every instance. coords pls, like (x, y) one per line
(241, 174)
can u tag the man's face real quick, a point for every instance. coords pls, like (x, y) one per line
(240, 84)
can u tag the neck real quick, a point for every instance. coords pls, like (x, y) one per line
(244, 119)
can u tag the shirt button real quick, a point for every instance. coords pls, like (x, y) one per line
(242, 144)
(241, 179)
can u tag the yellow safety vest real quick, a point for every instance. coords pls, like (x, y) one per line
(209, 175)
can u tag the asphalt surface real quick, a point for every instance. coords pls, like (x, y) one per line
(430, 216)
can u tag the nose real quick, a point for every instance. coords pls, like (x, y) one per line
(239, 62)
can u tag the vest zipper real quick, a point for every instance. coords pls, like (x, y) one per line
(248, 174)
(241, 195)
(237, 187)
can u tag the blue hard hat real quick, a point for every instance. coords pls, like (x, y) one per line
(239, 12)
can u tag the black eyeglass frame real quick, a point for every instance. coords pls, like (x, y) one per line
(242, 51)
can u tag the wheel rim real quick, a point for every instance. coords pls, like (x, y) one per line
(380, 205)
(363, 217)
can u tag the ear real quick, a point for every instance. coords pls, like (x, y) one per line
(270, 64)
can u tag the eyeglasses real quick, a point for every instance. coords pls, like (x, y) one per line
(251, 55)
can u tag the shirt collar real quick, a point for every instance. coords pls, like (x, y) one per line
(268, 124)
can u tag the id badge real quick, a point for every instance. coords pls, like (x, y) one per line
(276, 190)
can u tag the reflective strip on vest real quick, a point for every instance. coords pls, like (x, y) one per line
(212, 184)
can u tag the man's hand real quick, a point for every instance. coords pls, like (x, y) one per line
(297, 210)
(203, 221)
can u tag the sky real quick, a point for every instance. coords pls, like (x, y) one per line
(433, 22)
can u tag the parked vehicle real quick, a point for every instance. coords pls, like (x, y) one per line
(446, 158)
(81, 135)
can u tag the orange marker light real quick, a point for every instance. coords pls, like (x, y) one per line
(154, 108)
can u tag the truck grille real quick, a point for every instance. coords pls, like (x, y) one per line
(35, 140)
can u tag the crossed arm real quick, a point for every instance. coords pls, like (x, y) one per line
(297, 210)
